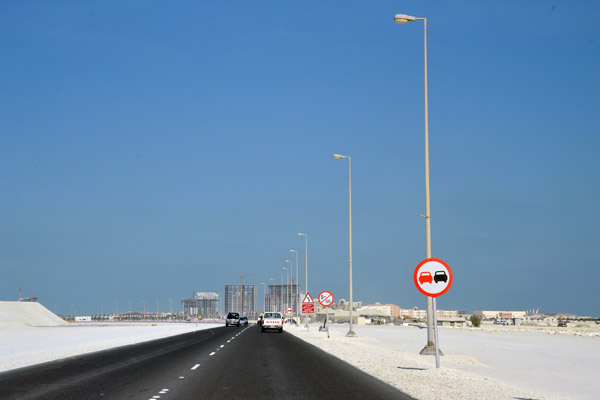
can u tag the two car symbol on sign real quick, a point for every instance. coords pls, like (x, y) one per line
(438, 276)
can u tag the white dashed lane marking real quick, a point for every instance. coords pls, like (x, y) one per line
(195, 367)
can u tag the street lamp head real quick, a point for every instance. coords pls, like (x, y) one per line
(403, 18)
(339, 156)
(301, 234)
(287, 261)
(293, 251)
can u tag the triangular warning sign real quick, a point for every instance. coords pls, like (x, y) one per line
(308, 299)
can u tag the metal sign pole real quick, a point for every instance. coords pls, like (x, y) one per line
(435, 331)
(326, 318)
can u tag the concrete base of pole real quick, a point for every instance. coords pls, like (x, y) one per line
(322, 329)
(351, 334)
(429, 350)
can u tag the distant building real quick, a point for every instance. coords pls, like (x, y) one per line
(376, 310)
(416, 313)
(343, 304)
(243, 302)
(486, 315)
(391, 310)
(281, 297)
(203, 304)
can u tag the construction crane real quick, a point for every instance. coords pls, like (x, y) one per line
(242, 293)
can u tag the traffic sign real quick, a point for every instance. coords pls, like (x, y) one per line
(289, 310)
(325, 298)
(433, 277)
(308, 305)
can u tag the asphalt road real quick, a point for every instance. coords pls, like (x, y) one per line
(222, 363)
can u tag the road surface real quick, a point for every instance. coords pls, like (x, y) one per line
(221, 363)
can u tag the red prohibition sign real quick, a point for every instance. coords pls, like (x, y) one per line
(325, 298)
(433, 277)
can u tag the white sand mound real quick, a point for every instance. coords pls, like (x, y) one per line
(18, 314)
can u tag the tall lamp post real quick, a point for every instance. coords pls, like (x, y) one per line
(264, 296)
(291, 284)
(273, 282)
(430, 346)
(350, 333)
(296, 289)
(282, 298)
(306, 272)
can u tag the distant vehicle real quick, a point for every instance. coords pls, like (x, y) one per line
(233, 318)
(244, 321)
(425, 276)
(272, 320)
(440, 276)
(562, 324)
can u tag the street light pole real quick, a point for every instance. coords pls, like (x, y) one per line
(289, 285)
(296, 288)
(351, 332)
(429, 348)
(306, 272)
(273, 282)
(264, 296)
(282, 301)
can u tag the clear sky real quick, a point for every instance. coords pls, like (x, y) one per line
(149, 149)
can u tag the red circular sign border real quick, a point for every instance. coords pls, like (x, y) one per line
(332, 298)
(450, 279)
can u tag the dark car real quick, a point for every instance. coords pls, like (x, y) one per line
(233, 318)
(440, 276)
(244, 321)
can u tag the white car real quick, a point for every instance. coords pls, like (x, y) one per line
(272, 320)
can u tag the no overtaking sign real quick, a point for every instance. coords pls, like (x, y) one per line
(433, 277)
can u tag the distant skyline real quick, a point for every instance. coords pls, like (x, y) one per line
(150, 150)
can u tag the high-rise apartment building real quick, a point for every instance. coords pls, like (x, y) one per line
(203, 304)
(281, 297)
(243, 302)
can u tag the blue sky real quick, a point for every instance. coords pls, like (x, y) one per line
(149, 149)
